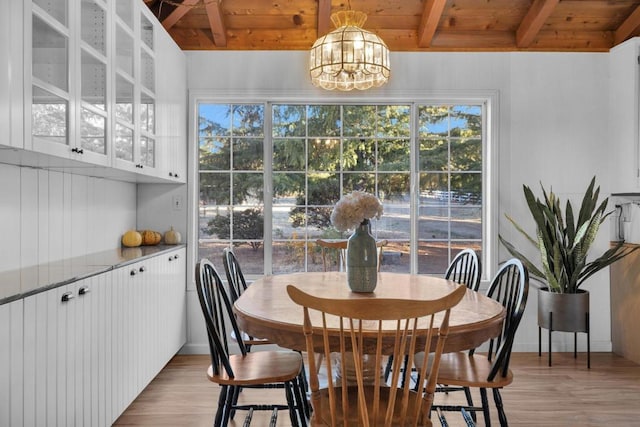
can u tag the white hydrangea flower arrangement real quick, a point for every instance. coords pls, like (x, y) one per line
(354, 208)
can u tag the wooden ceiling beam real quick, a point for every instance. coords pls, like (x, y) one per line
(431, 15)
(324, 17)
(627, 28)
(214, 12)
(533, 21)
(178, 13)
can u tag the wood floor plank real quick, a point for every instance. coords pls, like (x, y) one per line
(566, 394)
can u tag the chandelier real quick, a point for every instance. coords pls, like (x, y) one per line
(349, 57)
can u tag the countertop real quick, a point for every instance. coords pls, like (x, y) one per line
(21, 283)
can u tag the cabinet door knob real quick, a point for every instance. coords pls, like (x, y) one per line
(142, 269)
(175, 256)
(133, 272)
(83, 290)
(67, 296)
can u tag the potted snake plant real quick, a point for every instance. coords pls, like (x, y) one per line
(563, 242)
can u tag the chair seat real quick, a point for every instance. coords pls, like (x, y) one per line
(322, 413)
(460, 369)
(260, 367)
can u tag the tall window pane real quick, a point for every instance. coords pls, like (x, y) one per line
(450, 201)
(231, 212)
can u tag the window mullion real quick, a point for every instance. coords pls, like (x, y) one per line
(268, 188)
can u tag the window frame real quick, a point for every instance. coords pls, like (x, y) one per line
(488, 99)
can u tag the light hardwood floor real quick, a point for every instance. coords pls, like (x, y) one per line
(566, 394)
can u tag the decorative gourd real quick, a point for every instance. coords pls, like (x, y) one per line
(131, 239)
(150, 237)
(172, 237)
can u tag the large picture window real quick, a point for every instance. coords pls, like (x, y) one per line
(270, 174)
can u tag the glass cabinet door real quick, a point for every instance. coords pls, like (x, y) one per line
(69, 75)
(147, 94)
(135, 144)
(50, 74)
(93, 78)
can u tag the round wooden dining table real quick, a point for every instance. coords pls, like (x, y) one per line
(265, 310)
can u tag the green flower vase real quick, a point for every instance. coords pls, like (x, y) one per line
(362, 259)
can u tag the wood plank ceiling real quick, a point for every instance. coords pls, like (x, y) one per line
(405, 25)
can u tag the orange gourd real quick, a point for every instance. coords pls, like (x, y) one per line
(150, 237)
(131, 239)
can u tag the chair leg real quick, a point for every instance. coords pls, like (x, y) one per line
(274, 418)
(303, 387)
(588, 340)
(300, 396)
(442, 419)
(467, 393)
(485, 407)
(291, 402)
(234, 400)
(499, 405)
(387, 369)
(221, 413)
(404, 371)
(247, 419)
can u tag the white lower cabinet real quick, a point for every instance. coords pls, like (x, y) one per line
(90, 347)
(67, 354)
(11, 364)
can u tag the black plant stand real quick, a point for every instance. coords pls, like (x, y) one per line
(575, 339)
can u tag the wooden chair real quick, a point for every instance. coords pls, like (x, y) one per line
(341, 403)
(339, 248)
(237, 285)
(510, 287)
(233, 372)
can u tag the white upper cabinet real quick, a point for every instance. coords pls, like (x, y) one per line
(11, 99)
(65, 109)
(171, 109)
(624, 117)
(91, 87)
(134, 76)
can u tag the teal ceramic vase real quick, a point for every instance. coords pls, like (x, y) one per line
(362, 259)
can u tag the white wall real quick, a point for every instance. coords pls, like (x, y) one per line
(551, 124)
(47, 216)
(558, 116)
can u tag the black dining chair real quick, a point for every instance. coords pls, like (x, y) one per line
(234, 372)
(237, 284)
(466, 269)
(490, 370)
